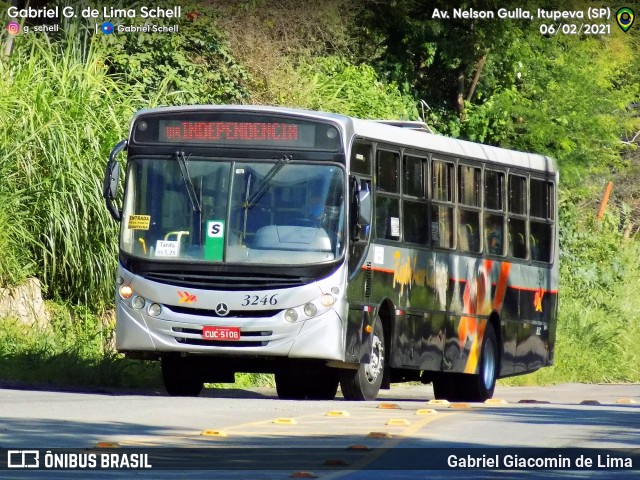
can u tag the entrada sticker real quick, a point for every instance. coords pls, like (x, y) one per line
(139, 222)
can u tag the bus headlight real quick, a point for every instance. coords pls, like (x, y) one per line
(154, 310)
(327, 300)
(310, 309)
(126, 291)
(290, 315)
(137, 302)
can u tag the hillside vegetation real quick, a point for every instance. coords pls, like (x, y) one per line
(66, 100)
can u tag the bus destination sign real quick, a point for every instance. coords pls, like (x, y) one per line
(239, 133)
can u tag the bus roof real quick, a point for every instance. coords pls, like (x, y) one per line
(384, 131)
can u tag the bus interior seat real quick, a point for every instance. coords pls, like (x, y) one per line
(464, 238)
(533, 244)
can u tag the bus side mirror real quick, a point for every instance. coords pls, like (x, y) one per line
(112, 180)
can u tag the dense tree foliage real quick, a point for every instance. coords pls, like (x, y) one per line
(65, 100)
(503, 82)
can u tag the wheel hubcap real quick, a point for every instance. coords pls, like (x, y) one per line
(373, 369)
(489, 365)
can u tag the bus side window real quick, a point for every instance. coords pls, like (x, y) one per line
(517, 238)
(442, 212)
(469, 231)
(541, 241)
(414, 225)
(517, 221)
(469, 210)
(387, 171)
(442, 226)
(494, 234)
(388, 218)
(387, 204)
(541, 213)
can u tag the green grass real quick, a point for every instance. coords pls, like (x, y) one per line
(73, 350)
(76, 349)
(62, 109)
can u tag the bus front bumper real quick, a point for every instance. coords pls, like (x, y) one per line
(321, 337)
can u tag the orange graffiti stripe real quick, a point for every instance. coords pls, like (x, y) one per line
(501, 287)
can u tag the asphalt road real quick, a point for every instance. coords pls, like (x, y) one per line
(401, 435)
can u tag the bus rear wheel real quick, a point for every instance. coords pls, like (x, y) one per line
(181, 376)
(472, 388)
(364, 383)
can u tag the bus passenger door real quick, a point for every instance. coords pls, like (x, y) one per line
(358, 237)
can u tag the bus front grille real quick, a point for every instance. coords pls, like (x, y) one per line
(226, 281)
(231, 314)
(214, 343)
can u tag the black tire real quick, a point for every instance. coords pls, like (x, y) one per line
(442, 386)
(364, 383)
(181, 376)
(480, 387)
(313, 384)
(472, 388)
(323, 384)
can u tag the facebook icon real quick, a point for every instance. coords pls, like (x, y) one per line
(107, 28)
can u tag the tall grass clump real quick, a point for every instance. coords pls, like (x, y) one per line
(60, 113)
(16, 231)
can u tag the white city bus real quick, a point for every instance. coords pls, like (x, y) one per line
(330, 251)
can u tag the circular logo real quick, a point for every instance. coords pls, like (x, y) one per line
(13, 28)
(222, 309)
(107, 28)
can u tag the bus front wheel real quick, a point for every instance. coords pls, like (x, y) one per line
(311, 384)
(364, 383)
(181, 376)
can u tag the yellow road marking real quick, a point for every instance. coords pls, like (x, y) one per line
(388, 445)
(398, 422)
(338, 413)
(213, 433)
(426, 411)
(285, 421)
(495, 401)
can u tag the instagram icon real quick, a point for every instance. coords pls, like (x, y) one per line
(13, 28)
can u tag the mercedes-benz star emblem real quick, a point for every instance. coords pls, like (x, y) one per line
(222, 309)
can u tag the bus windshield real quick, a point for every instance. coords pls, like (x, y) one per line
(198, 209)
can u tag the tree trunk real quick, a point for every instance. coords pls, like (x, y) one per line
(460, 99)
(476, 77)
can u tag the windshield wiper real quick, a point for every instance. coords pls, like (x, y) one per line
(182, 161)
(266, 182)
